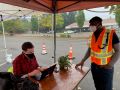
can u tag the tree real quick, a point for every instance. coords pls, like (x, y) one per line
(34, 23)
(26, 24)
(117, 17)
(59, 21)
(116, 10)
(117, 14)
(69, 18)
(80, 18)
(46, 21)
(16, 25)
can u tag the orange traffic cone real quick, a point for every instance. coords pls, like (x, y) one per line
(70, 55)
(44, 51)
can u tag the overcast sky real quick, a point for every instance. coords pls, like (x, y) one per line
(89, 14)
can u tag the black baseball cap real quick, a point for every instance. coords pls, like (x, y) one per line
(95, 20)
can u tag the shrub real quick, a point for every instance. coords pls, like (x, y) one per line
(65, 35)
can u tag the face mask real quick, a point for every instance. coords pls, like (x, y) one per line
(31, 56)
(93, 28)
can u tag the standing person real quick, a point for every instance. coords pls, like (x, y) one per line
(26, 64)
(104, 51)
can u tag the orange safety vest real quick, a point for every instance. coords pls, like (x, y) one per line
(100, 55)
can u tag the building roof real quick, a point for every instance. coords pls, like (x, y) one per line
(73, 25)
(106, 22)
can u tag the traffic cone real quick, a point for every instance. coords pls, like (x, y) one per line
(70, 55)
(44, 51)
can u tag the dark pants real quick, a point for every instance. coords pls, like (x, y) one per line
(103, 78)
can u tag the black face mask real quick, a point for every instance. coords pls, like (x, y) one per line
(31, 56)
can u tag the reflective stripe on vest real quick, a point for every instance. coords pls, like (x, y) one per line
(100, 56)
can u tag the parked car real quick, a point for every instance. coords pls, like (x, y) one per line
(50, 32)
(69, 31)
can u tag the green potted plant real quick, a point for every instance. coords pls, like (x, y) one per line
(64, 62)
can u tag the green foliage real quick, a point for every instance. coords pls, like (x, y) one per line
(46, 21)
(80, 18)
(116, 10)
(65, 35)
(69, 18)
(0, 32)
(16, 25)
(59, 21)
(64, 62)
(34, 23)
(117, 15)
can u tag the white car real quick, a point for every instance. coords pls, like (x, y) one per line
(50, 32)
(69, 31)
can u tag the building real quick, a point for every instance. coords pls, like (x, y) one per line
(109, 23)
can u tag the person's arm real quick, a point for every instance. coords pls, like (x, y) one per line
(87, 55)
(35, 72)
(40, 68)
(16, 67)
(81, 63)
(116, 55)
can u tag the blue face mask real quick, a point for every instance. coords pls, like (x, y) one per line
(31, 56)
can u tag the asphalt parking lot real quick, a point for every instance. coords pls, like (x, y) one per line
(79, 48)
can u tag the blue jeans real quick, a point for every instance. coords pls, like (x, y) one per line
(103, 78)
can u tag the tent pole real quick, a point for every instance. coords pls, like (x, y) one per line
(54, 27)
(4, 35)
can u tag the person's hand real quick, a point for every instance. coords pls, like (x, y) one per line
(42, 68)
(79, 64)
(24, 76)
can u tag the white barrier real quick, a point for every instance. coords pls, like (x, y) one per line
(9, 58)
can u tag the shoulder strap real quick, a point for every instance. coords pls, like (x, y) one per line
(107, 32)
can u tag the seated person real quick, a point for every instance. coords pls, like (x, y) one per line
(26, 64)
